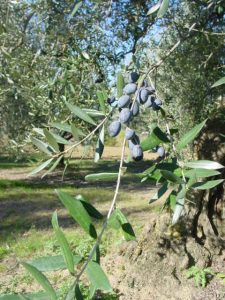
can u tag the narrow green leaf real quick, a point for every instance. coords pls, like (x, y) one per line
(52, 263)
(192, 180)
(100, 145)
(51, 140)
(75, 132)
(6, 53)
(41, 167)
(159, 193)
(206, 185)
(155, 175)
(39, 131)
(105, 94)
(180, 199)
(92, 291)
(53, 166)
(190, 136)
(120, 84)
(64, 245)
(171, 176)
(154, 139)
(42, 280)
(200, 173)
(170, 166)
(101, 177)
(70, 294)
(101, 100)
(91, 210)
(163, 8)
(125, 225)
(85, 55)
(78, 295)
(76, 7)
(78, 212)
(80, 113)
(172, 200)
(72, 88)
(61, 126)
(203, 164)
(153, 9)
(114, 221)
(97, 277)
(97, 255)
(219, 82)
(60, 140)
(42, 146)
(148, 171)
(93, 112)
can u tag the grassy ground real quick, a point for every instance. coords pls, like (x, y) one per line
(27, 204)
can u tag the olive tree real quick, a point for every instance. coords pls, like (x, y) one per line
(178, 175)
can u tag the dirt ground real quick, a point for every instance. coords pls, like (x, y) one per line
(154, 267)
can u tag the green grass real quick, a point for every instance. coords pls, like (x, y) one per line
(26, 207)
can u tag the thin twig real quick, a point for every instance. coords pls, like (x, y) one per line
(111, 209)
(85, 138)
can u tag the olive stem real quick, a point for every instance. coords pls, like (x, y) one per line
(111, 209)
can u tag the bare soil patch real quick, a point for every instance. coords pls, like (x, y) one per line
(153, 267)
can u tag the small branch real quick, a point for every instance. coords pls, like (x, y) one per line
(85, 138)
(111, 209)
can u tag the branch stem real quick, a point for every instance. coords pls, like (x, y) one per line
(111, 209)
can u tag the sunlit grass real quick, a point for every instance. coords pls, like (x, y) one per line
(27, 207)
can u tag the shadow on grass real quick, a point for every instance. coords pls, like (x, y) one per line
(31, 202)
(21, 218)
(75, 175)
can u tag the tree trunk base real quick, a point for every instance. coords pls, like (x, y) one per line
(155, 266)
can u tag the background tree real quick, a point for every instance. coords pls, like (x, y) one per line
(55, 48)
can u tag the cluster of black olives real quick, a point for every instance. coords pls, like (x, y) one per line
(128, 110)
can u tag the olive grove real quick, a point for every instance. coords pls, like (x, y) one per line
(87, 70)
